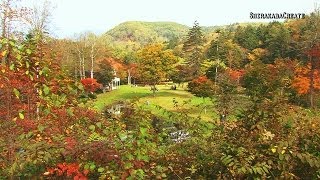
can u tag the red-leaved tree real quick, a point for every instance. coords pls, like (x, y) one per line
(90, 84)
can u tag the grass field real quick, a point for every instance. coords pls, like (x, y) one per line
(164, 98)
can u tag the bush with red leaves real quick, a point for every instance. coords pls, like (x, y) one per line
(68, 170)
(90, 84)
(201, 87)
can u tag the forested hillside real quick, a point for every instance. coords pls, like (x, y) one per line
(131, 36)
(146, 32)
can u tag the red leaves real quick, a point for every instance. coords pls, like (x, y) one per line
(315, 51)
(235, 74)
(90, 84)
(70, 143)
(64, 169)
(26, 124)
(200, 80)
(201, 87)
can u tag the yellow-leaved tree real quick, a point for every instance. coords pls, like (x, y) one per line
(154, 64)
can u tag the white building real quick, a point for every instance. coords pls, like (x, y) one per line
(115, 83)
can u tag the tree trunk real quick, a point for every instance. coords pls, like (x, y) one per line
(4, 19)
(3, 24)
(215, 80)
(75, 72)
(129, 77)
(91, 73)
(9, 88)
(154, 90)
(83, 69)
(92, 58)
(80, 62)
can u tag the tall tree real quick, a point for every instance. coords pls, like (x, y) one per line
(227, 51)
(81, 46)
(277, 42)
(38, 18)
(223, 51)
(11, 14)
(92, 40)
(247, 37)
(155, 63)
(105, 74)
(88, 48)
(310, 43)
(193, 49)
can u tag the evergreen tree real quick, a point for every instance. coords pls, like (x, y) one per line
(193, 50)
(277, 42)
(247, 37)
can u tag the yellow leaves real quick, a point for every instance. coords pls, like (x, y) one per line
(155, 62)
(123, 126)
(274, 149)
(21, 115)
(38, 138)
(257, 54)
(251, 57)
(4, 53)
(267, 135)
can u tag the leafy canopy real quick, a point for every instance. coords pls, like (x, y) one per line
(154, 63)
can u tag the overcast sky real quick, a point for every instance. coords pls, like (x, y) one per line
(76, 16)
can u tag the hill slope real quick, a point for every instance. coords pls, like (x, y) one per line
(146, 32)
(128, 37)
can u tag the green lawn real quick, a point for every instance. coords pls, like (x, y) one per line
(124, 93)
(163, 98)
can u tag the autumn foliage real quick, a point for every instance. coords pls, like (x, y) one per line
(235, 75)
(201, 86)
(68, 170)
(49, 129)
(302, 80)
(90, 84)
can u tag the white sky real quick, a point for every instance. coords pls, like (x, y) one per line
(76, 16)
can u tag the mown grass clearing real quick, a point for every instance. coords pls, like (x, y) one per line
(164, 100)
(124, 93)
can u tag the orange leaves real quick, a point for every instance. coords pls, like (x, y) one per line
(200, 80)
(115, 64)
(64, 169)
(235, 74)
(301, 84)
(301, 81)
